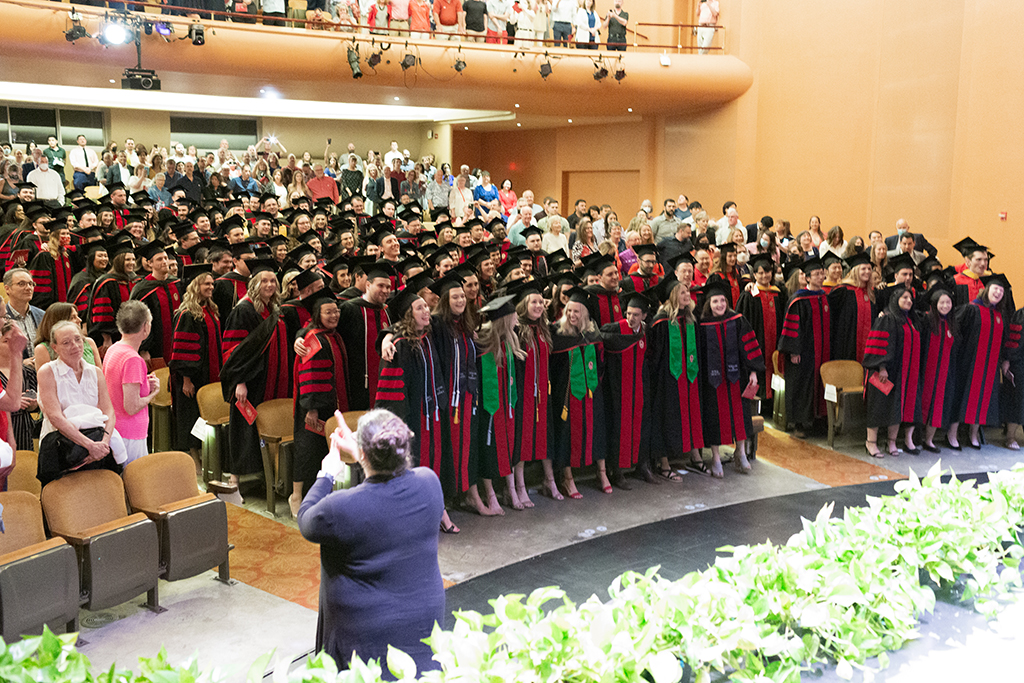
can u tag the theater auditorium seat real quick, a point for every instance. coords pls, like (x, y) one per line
(23, 476)
(192, 526)
(847, 376)
(216, 412)
(160, 413)
(275, 424)
(38, 578)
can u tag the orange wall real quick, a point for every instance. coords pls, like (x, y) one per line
(862, 113)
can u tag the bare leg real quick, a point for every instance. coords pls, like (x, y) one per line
(951, 435)
(513, 495)
(908, 438)
(521, 487)
(446, 523)
(295, 500)
(893, 433)
(198, 458)
(602, 477)
(570, 484)
(872, 443)
(976, 435)
(473, 500)
(1011, 436)
(740, 457)
(929, 436)
(550, 487)
(492, 497)
(716, 463)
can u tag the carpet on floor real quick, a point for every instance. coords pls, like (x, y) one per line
(275, 558)
(823, 465)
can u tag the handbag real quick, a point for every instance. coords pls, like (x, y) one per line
(61, 454)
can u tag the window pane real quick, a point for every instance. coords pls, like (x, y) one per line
(32, 125)
(5, 131)
(75, 122)
(206, 133)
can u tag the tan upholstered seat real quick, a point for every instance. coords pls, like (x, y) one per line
(275, 424)
(38, 578)
(216, 412)
(160, 412)
(192, 526)
(118, 553)
(23, 477)
(847, 376)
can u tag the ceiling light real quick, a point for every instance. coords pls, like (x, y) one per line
(374, 59)
(114, 33)
(630, 110)
(466, 127)
(75, 32)
(517, 106)
(600, 71)
(197, 34)
(408, 61)
(112, 80)
(263, 91)
(397, 98)
(519, 125)
(353, 61)
(545, 69)
(665, 61)
(570, 120)
(620, 72)
(163, 29)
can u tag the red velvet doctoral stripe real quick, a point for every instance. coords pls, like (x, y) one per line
(212, 323)
(911, 365)
(863, 320)
(976, 393)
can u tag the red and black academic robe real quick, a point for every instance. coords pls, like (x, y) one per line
(255, 351)
(966, 288)
(765, 310)
(853, 313)
(411, 386)
(576, 365)
(28, 241)
(228, 290)
(727, 352)
(806, 332)
(296, 314)
(894, 344)
(939, 351)
(607, 307)
(79, 292)
(359, 325)
(983, 331)
(635, 282)
(532, 406)
(672, 415)
(108, 293)
(162, 298)
(457, 352)
(7, 245)
(1011, 399)
(733, 281)
(52, 277)
(349, 294)
(883, 297)
(320, 384)
(196, 354)
(622, 387)
(496, 427)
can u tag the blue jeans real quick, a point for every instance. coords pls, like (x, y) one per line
(83, 180)
(560, 31)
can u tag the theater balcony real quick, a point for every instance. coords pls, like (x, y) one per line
(303, 73)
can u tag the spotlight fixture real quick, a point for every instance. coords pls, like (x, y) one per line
(600, 71)
(353, 61)
(163, 29)
(408, 61)
(620, 72)
(545, 68)
(115, 33)
(374, 59)
(460, 63)
(197, 34)
(75, 32)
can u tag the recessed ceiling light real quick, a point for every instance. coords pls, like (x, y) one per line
(466, 127)
(263, 91)
(112, 80)
(630, 110)
(517, 106)
(570, 120)
(397, 98)
(519, 125)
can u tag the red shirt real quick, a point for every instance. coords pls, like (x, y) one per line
(419, 16)
(448, 11)
(323, 187)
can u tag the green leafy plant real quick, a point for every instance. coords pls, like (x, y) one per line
(842, 590)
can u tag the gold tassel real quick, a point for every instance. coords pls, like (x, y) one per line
(590, 394)
(536, 409)
(565, 413)
(456, 421)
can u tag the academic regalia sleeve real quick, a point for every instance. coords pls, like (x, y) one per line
(614, 341)
(392, 387)
(247, 358)
(315, 379)
(789, 339)
(751, 358)
(186, 346)
(43, 269)
(882, 343)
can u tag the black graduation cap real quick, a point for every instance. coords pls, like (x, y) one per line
(262, 252)
(499, 307)
(233, 203)
(727, 248)
(790, 267)
(194, 270)
(581, 296)
(115, 186)
(320, 211)
(80, 211)
(257, 266)
(929, 264)
(664, 288)
(996, 279)
(194, 250)
(464, 271)
(358, 264)
(378, 236)
(518, 254)
(829, 258)
(858, 259)
(276, 240)
(639, 300)
(135, 216)
(89, 234)
(240, 249)
(140, 196)
(309, 236)
(506, 268)
(408, 216)
(337, 264)
(307, 277)
(266, 196)
(116, 247)
(967, 246)
(25, 185)
(231, 223)
(93, 247)
(559, 261)
(261, 216)
(478, 257)
(150, 249)
(496, 222)
(901, 262)
(123, 235)
(181, 230)
(565, 277)
(599, 262)
(531, 231)
(760, 261)
(521, 289)
(812, 264)
(409, 262)
(451, 280)
(441, 215)
(718, 286)
(401, 302)
(381, 268)
(298, 252)
(76, 195)
(38, 212)
(437, 256)
(462, 229)
(418, 281)
(644, 250)
(144, 202)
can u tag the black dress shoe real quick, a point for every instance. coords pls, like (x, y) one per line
(975, 446)
(931, 449)
(645, 474)
(912, 451)
(619, 479)
(952, 447)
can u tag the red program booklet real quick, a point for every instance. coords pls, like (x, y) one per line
(313, 345)
(883, 385)
(247, 411)
(751, 390)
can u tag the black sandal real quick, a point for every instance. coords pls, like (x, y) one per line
(450, 529)
(696, 466)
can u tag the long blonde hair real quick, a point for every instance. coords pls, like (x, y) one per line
(524, 331)
(253, 292)
(566, 328)
(851, 279)
(494, 335)
(192, 302)
(671, 307)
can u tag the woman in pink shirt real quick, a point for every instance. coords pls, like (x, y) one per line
(707, 18)
(507, 196)
(131, 387)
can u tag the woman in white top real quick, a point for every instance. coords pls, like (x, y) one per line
(73, 396)
(139, 180)
(833, 242)
(554, 238)
(460, 197)
(586, 25)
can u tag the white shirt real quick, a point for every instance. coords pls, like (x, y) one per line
(83, 157)
(49, 185)
(390, 157)
(70, 391)
(564, 11)
(501, 8)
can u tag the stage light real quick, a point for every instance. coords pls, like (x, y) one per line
(408, 61)
(163, 29)
(197, 34)
(620, 72)
(353, 62)
(545, 68)
(75, 32)
(600, 71)
(114, 33)
(460, 64)
(374, 59)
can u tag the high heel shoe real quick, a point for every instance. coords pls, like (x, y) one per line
(550, 489)
(877, 453)
(949, 445)
(604, 489)
(564, 489)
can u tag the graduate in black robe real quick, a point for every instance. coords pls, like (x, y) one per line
(320, 388)
(806, 341)
(672, 416)
(230, 288)
(109, 292)
(605, 306)
(852, 310)
(362, 320)
(622, 386)
(983, 357)
(52, 275)
(82, 282)
(297, 313)
(893, 354)
(638, 281)
(764, 307)
(940, 348)
(1011, 399)
(255, 349)
(195, 353)
(162, 297)
(730, 357)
